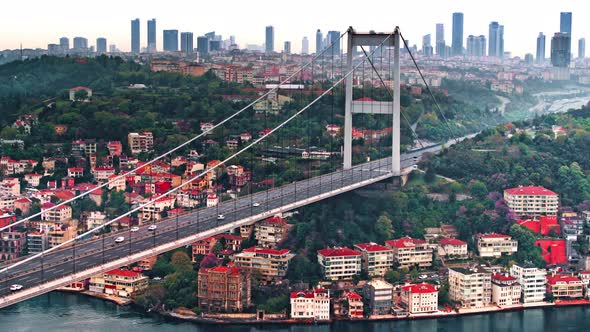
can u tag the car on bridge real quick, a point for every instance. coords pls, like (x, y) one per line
(15, 287)
(256, 204)
(119, 239)
(134, 229)
(152, 228)
(220, 217)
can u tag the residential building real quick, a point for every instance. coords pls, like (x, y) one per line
(223, 288)
(565, 287)
(58, 215)
(33, 179)
(37, 242)
(267, 263)
(154, 210)
(495, 245)
(339, 263)
(506, 291)
(470, 287)
(60, 234)
(313, 304)
(379, 295)
(419, 298)
(115, 148)
(141, 142)
(96, 219)
(271, 231)
(532, 201)
(117, 182)
(451, 248)
(375, 259)
(75, 172)
(355, 305)
(408, 252)
(13, 243)
(118, 282)
(103, 173)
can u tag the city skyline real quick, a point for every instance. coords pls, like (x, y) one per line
(519, 39)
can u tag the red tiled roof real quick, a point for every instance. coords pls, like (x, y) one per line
(405, 242)
(267, 251)
(353, 295)
(492, 236)
(336, 252)
(307, 295)
(371, 247)
(530, 190)
(122, 273)
(452, 242)
(562, 278)
(502, 277)
(276, 220)
(365, 99)
(228, 237)
(420, 288)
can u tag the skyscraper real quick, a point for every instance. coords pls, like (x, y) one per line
(305, 46)
(203, 45)
(440, 40)
(565, 26)
(427, 46)
(151, 44)
(287, 47)
(476, 46)
(270, 39)
(80, 44)
(186, 42)
(457, 45)
(135, 48)
(171, 40)
(560, 54)
(333, 43)
(64, 43)
(582, 48)
(319, 42)
(496, 40)
(101, 45)
(540, 48)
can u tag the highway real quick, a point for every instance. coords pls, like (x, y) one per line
(91, 253)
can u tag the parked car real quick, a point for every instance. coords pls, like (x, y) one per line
(423, 276)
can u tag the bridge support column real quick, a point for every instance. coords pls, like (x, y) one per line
(348, 103)
(396, 135)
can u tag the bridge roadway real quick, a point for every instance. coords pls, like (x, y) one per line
(90, 257)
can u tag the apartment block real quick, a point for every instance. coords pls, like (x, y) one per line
(470, 287)
(408, 252)
(375, 259)
(140, 142)
(419, 298)
(532, 281)
(506, 291)
(223, 288)
(565, 287)
(271, 231)
(267, 263)
(495, 245)
(532, 201)
(339, 263)
(379, 295)
(310, 305)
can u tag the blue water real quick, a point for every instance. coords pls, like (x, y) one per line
(73, 312)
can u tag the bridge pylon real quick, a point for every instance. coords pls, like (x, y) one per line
(355, 39)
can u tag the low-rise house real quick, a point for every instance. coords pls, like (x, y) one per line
(33, 179)
(452, 248)
(379, 295)
(117, 182)
(419, 298)
(495, 245)
(12, 244)
(310, 305)
(375, 259)
(58, 215)
(408, 252)
(506, 291)
(95, 219)
(103, 173)
(212, 200)
(223, 288)
(264, 262)
(565, 287)
(118, 282)
(339, 263)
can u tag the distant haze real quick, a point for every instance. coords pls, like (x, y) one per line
(38, 22)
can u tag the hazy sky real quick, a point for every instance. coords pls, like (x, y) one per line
(36, 23)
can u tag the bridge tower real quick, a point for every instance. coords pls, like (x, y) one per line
(373, 39)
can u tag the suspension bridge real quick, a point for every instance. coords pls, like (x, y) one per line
(88, 255)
